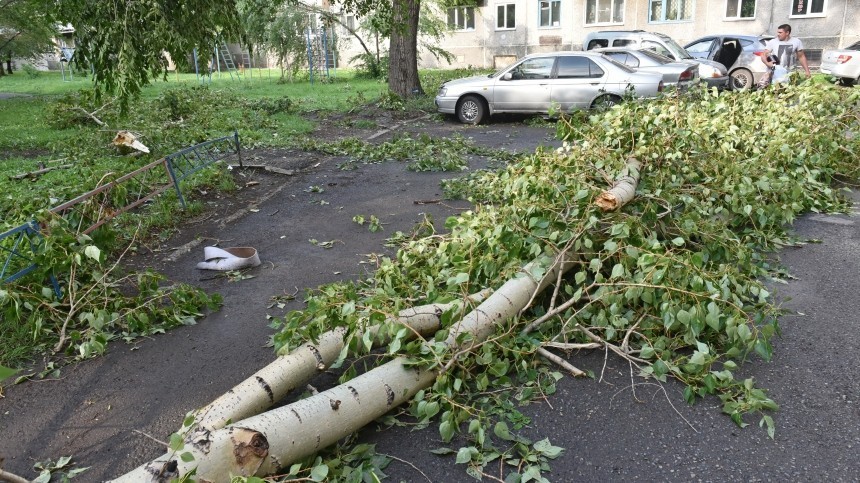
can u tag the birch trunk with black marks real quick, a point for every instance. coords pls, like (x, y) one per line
(262, 444)
(273, 382)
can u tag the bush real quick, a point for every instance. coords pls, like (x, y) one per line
(31, 71)
(368, 67)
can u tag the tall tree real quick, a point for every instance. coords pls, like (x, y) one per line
(26, 30)
(403, 46)
(403, 49)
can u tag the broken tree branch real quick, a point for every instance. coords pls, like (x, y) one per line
(39, 172)
(624, 189)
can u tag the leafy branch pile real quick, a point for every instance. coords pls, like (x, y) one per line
(99, 303)
(424, 153)
(673, 282)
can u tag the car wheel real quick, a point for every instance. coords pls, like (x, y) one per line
(471, 110)
(605, 102)
(742, 79)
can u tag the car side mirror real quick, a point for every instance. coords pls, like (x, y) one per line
(507, 76)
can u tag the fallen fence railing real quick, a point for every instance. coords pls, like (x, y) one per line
(188, 161)
(20, 245)
(94, 208)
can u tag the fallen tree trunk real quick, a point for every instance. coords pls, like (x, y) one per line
(262, 444)
(272, 383)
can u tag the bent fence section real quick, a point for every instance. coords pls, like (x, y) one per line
(20, 245)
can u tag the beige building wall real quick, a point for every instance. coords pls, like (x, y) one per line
(489, 47)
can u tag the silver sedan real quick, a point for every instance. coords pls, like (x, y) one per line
(539, 82)
(681, 75)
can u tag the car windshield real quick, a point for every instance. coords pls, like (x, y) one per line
(676, 49)
(659, 58)
(854, 46)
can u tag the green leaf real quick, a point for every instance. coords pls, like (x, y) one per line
(431, 409)
(176, 442)
(501, 430)
(617, 271)
(347, 309)
(6, 373)
(544, 447)
(319, 472)
(187, 457)
(446, 430)
(464, 455)
(678, 241)
(442, 451)
(93, 252)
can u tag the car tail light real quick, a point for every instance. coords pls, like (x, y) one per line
(843, 59)
(660, 86)
(686, 75)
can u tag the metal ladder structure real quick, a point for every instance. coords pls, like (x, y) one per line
(322, 53)
(222, 54)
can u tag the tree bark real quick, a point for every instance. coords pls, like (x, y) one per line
(403, 50)
(271, 383)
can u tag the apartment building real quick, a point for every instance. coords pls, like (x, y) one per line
(495, 32)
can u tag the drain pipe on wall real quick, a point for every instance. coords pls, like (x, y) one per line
(842, 30)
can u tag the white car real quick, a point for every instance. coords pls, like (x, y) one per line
(842, 63)
(566, 80)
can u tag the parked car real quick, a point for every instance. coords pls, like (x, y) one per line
(713, 73)
(681, 75)
(740, 54)
(842, 63)
(569, 80)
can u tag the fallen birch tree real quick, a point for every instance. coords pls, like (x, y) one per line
(260, 445)
(673, 282)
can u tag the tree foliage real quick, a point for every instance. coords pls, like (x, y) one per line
(125, 42)
(277, 29)
(26, 29)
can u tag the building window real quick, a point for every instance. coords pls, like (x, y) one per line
(461, 18)
(802, 8)
(738, 9)
(550, 13)
(506, 16)
(604, 11)
(671, 10)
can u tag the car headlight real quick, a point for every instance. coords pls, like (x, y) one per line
(443, 90)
